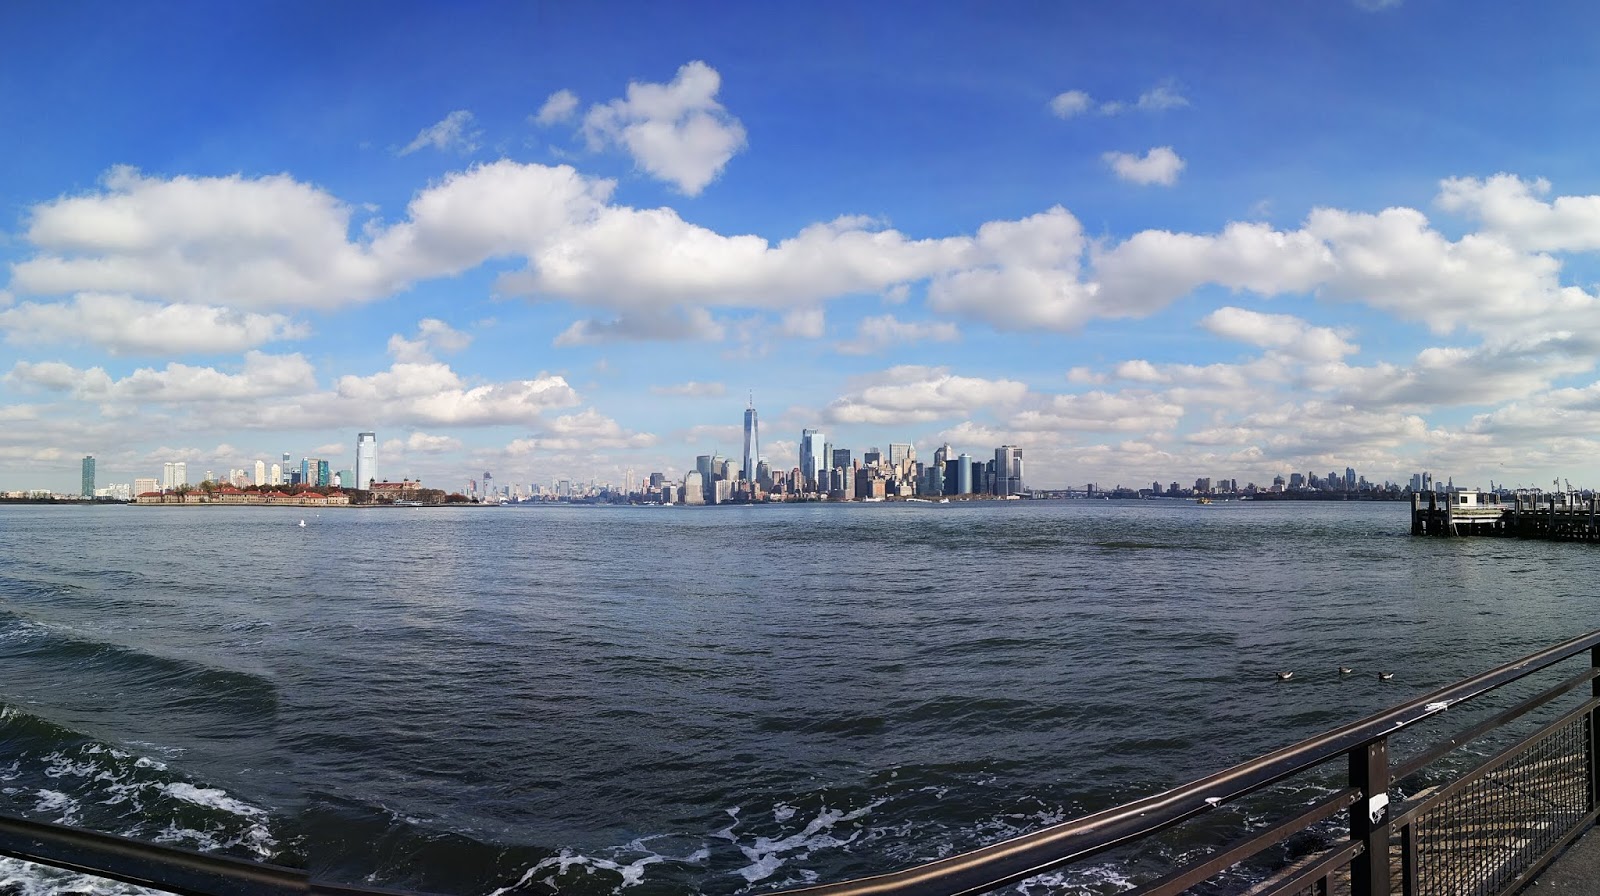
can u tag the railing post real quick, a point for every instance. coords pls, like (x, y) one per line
(1369, 819)
(1593, 757)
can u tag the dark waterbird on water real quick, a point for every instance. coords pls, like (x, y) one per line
(1345, 670)
(1285, 676)
(1385, 676)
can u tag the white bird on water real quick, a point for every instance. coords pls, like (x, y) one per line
(1285, 676)
(302, 524)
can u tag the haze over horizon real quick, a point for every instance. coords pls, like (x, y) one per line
(565, 242)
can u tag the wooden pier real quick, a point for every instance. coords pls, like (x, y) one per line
(1549, 517)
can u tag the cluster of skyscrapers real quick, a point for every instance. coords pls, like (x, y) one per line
(828, 472)
(311, 471)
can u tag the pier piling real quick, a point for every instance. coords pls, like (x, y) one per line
(1549, 517)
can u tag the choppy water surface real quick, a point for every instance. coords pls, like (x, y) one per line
(704, 700)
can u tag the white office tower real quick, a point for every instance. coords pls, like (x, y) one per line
(261, 473)
(174, 474)
(366, 460)
(277, 474)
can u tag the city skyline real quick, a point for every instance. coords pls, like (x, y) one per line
(1135, 243)
(818, 456)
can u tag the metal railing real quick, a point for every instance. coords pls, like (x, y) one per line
(1487, 831)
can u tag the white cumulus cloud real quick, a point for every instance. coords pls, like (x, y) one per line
(123, 325)
(559, 107)
(912, 394)
(1159, 165)
(433, 336)
(1282, 332)
(876, 334)
(261, 376)
(585, 430)
(422, 443)
(1070, 103)
(677, 132)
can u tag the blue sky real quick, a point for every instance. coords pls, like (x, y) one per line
(1141, 242)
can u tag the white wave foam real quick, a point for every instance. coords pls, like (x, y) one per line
(630, 873)
(1105, 878)
(255, 838)
(62, 765)
(767, 855)
(212, 798)
(56, 801)
(19, 878)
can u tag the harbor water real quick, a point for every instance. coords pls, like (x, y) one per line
(704, 700)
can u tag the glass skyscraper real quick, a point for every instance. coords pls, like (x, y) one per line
(366, 460)
(752, 446)
(88, 477)
(813, 456)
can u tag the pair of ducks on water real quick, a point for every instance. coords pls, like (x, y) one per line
(1343, 670)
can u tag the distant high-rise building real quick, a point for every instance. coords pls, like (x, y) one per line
(174, 474)
(366, 460)
(963, 475)
(1008, 470)
(752, 442)
(1349, 479)
(901, 455)
(872, 457)
(324, 473)
(488, 484)
(88, 477)
(840, 459)
(276, 475)
(813, 457)
(143, 485)
(261, 472)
